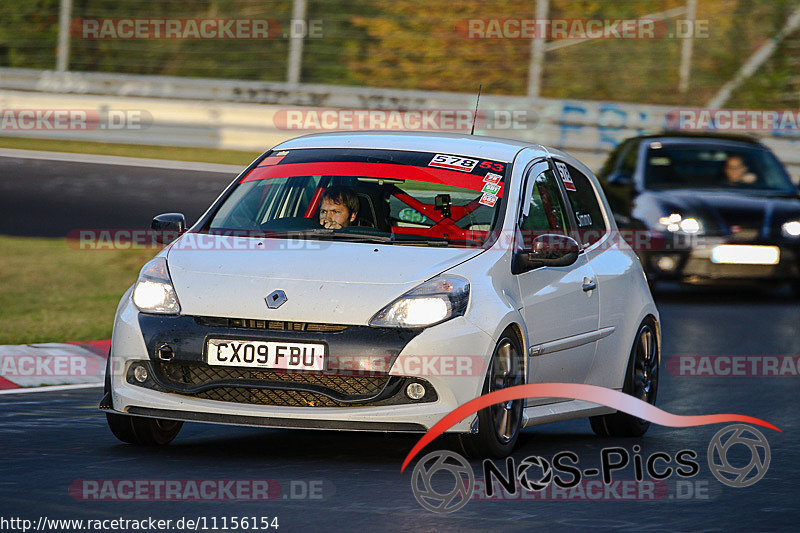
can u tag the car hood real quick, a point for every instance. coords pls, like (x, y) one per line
(324, 281)
(723, 212)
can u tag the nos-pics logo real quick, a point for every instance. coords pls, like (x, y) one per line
(444, 482)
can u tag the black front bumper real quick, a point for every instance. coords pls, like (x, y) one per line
(176, 347)
(693, 264)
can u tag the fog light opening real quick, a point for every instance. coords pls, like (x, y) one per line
(666, 263)
(140, 373)
(415, 391)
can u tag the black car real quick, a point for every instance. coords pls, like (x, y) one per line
(706, 209)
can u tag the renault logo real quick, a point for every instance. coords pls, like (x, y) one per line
(275, 299)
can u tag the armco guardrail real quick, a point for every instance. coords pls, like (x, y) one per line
(242, 114)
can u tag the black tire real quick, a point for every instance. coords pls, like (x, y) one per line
(121, 427)
(641, 381)
(143, 431)
(136, 429)
(499, 425)
(155, 431)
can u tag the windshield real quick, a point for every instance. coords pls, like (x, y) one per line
(396, 197)
(714, 166)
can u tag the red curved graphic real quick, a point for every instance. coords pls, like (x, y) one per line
(590, 393)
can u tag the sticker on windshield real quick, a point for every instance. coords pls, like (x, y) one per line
(274, 159)
(491, 177)
(453, 162)
(408, 214)
(491, 165)
(563, 171)
(584, 220)
(491, 188)
(488, 199)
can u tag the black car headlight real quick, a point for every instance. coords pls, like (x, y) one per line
(791, 229)
(676, 222)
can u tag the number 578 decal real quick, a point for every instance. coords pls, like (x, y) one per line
(565, 176)
(453, 162)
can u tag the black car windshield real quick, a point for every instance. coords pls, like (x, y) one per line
(384, 196)
(708, 166)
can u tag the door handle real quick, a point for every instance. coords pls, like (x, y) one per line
(589, 284)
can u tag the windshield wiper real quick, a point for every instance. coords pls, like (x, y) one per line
(333, 234)
(443, 242)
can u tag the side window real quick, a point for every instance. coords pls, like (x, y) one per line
(287, 197)
(591, 225)
(542, 208)
(628, 164)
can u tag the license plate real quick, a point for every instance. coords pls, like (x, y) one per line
(266, 354)
(746, 255)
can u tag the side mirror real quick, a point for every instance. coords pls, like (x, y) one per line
(620, 179)
(547, 250)
(168, 227)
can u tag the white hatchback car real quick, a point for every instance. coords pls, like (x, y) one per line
(377, 281)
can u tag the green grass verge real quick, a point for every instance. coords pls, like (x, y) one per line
(176, 153)
(51, 292)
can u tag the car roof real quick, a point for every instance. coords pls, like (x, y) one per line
(699, 136)
(451, 143)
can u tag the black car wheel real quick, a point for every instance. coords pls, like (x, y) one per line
(136, 429)
(143, 431)
(641, 382)
(499, 424)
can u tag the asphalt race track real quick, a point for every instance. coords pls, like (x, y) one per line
(51, 198)
(51, 441)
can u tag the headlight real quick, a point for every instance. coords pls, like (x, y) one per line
(690, 225)
(676, 222)
(436, 300)
(154, 292)
(791, 229)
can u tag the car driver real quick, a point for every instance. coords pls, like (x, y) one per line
(339, 207)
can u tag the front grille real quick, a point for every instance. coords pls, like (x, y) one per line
(285, 398)
(269, 387)
(744, 234)
(744, 225)
(186, 374)
(275, 325)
